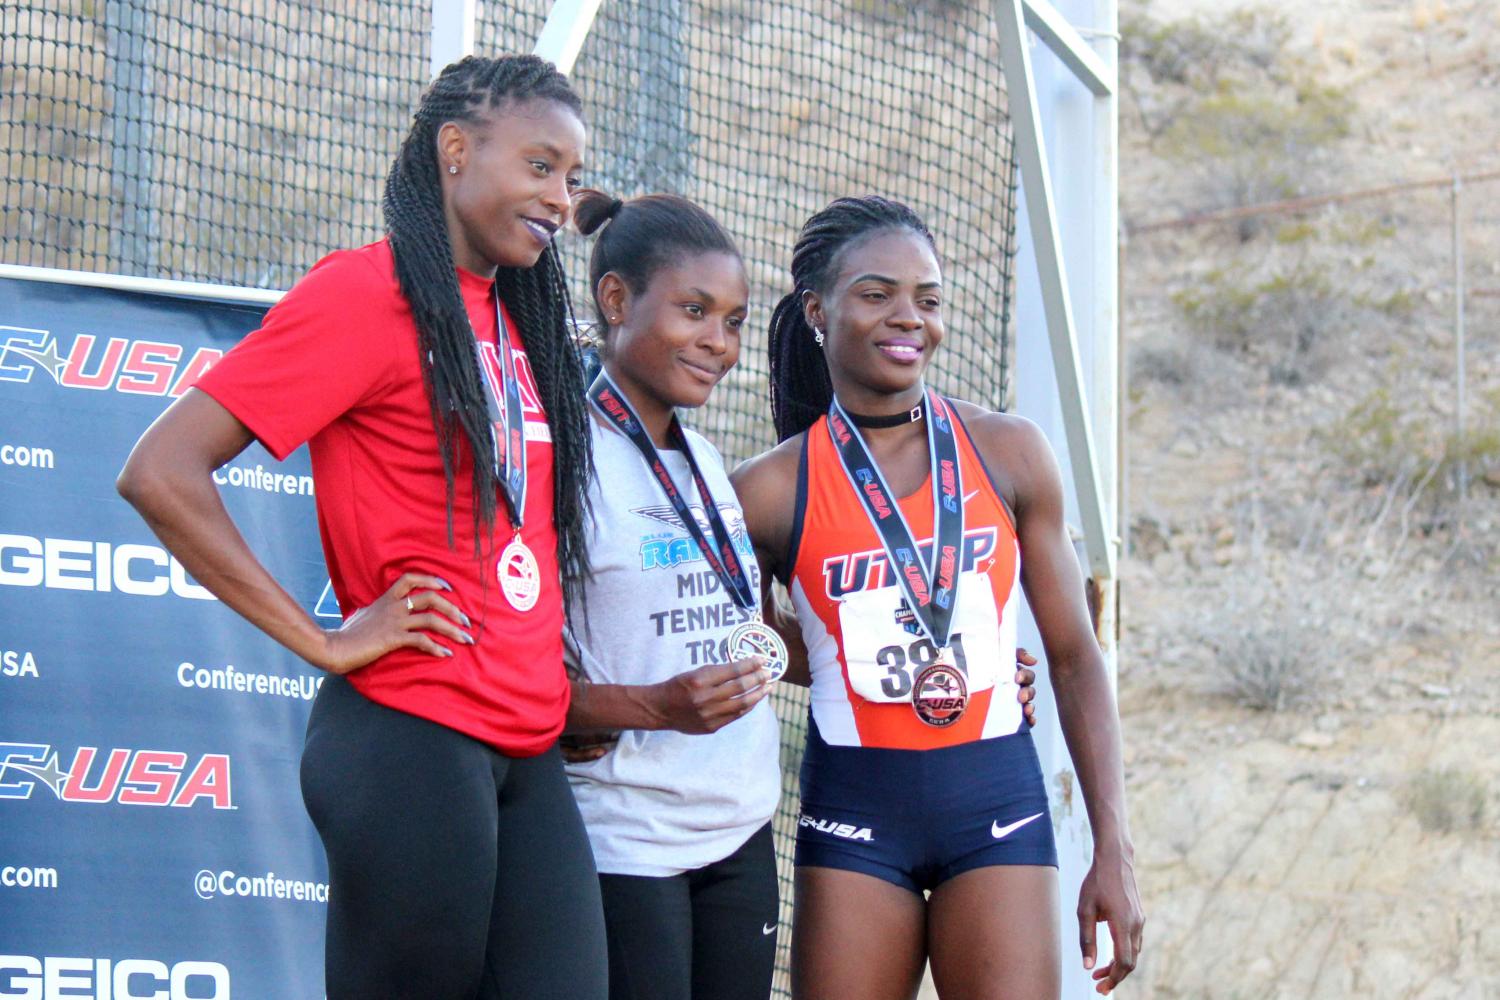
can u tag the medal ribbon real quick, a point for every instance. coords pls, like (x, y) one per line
(721, 556)
(930, 589)
(509, 439)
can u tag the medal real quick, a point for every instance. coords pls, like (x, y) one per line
(930, 586)
(755, 638)
(939, 695)
(520, 578)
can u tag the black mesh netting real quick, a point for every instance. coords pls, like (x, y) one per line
(239, 142)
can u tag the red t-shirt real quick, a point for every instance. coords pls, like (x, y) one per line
(335, 364)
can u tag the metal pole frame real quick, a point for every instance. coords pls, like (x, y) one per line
(561, 38)
(1012, 18)
(453, 24)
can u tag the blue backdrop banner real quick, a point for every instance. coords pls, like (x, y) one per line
(153, 841)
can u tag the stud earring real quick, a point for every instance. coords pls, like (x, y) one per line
(818, 336)
(452, 169)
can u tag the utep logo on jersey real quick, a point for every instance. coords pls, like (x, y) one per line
(125, 777)
(139, 367)
(870, 570)
(669, 551)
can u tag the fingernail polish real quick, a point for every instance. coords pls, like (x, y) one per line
(465, 619)
(443, 583)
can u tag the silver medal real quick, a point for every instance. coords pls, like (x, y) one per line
(520, 579)
(755, 638)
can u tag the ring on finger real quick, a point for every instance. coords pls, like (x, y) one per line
(409, 606)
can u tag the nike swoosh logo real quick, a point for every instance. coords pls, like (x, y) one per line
(970, 495)
(998, 832)
(768, 930)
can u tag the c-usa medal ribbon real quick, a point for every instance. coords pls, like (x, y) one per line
(751, 637)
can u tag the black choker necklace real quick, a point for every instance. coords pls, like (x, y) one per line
(910, 416)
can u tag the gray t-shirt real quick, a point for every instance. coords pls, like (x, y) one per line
(661, 803)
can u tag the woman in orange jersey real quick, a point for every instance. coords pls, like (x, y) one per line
(905, 525)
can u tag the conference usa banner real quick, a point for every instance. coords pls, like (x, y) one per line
(153, 841)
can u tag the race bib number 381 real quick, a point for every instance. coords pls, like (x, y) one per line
(884, 647)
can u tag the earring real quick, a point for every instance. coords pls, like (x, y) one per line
(818, 336)
(452, 169)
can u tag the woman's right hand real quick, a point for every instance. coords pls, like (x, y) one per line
(403, 616)
(709, 698)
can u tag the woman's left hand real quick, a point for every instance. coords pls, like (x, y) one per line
(1109, 896)
(1025, 678)
(582, 748)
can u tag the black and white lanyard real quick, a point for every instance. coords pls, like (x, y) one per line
(509, 439)
(930, 589)
(722, 556)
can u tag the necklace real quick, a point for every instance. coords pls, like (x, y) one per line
(890, 420)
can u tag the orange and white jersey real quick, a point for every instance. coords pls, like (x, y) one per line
(863, 642)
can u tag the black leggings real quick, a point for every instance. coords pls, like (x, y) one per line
(707, 934)
(454, 871)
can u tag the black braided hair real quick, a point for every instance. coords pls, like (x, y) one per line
(536, 298)
(643, 236)
(800, 386)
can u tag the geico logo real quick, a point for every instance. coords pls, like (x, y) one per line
(17, 663)
(23, 977)
(848, 831)
(127, 777)
(76, 564)
(28, 878)
(27, 457)
(140, 367)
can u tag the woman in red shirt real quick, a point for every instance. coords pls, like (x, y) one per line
(432, 375)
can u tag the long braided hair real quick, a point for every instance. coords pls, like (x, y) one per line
(536, 298)
(800, 387)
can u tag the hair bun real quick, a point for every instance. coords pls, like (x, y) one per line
(592, 209)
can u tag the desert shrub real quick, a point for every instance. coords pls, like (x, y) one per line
(1245, 143)
(1229, 101)
(1289, 319)
(1446, 800)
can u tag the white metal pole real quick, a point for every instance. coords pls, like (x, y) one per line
(452, 31)
(568, 24)
(1105, 390)
(1015, 61)
(1461, 400)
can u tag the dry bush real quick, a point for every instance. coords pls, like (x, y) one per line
(1272, 644)
(1291, 320)
(1446, 800)
(1227, 99)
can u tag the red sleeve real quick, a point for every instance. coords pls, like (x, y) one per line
(324, 348)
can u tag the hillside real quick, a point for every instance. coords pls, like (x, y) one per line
(1312, 652)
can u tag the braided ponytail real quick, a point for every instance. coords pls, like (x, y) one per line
(800, 386)
(536, 297)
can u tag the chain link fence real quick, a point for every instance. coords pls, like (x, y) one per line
(237, 143)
